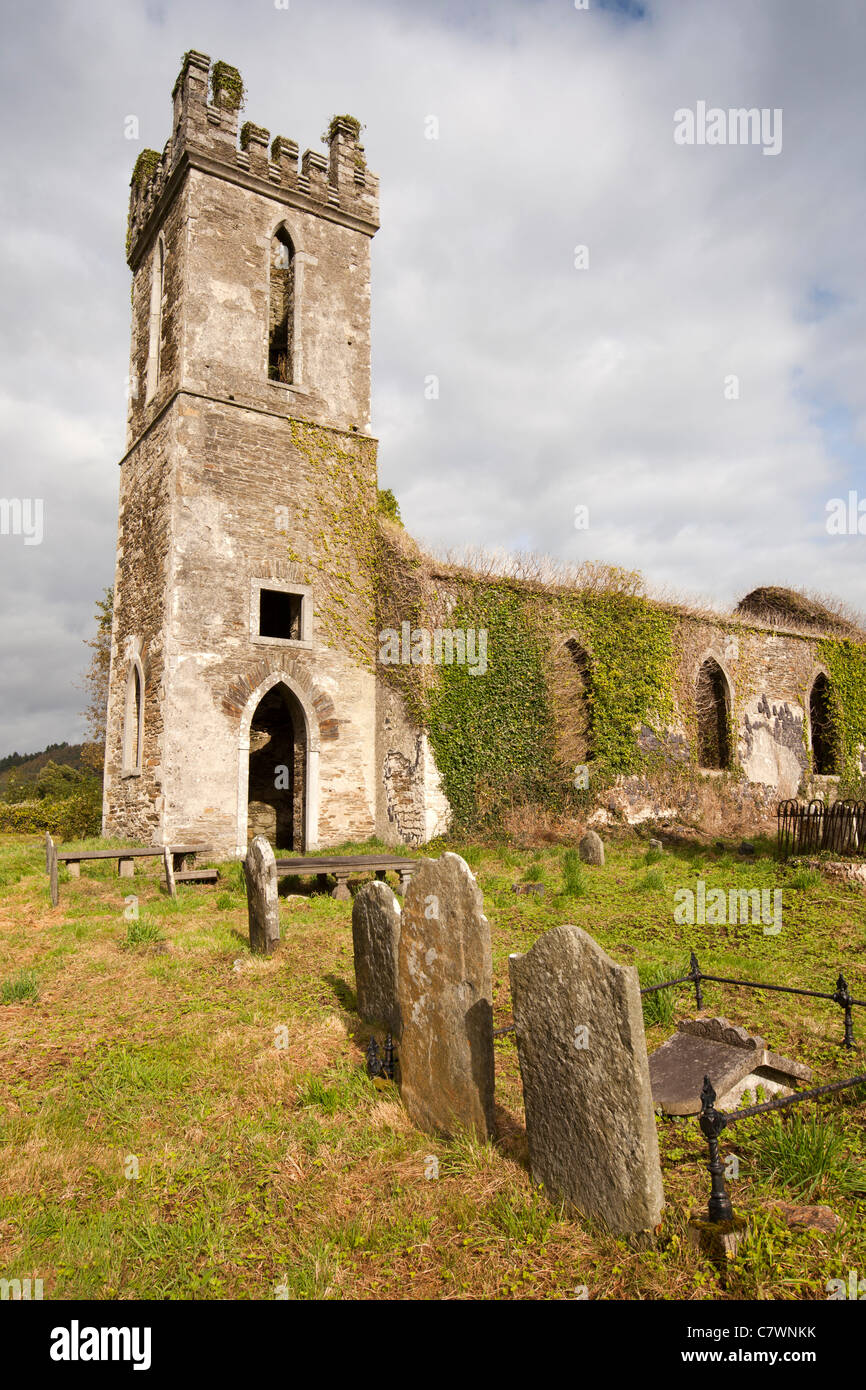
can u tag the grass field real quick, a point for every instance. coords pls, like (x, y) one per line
(181, 1120)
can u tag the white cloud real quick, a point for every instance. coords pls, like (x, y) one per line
(558, 386)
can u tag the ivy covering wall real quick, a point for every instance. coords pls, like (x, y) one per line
(846, 663)
(497, 737)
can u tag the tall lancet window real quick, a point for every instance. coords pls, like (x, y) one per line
(157, 289)
(133, 721)
(282, 308)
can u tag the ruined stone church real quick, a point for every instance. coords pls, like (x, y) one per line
(244, 691)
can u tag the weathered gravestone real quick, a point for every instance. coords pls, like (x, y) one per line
(445, 992)
(583, 1062)
(53, 871)
(591, 849)
(375, 941)
(260, 872)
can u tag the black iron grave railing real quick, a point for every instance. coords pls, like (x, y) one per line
(841, 995)
(813, 828)
(713, 1121)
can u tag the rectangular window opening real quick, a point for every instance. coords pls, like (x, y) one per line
(280, 615)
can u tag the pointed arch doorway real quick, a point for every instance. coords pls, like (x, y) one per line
(278, 772)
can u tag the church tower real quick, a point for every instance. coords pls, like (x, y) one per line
(242, 692)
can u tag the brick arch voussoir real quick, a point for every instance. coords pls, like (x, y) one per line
(237, 696)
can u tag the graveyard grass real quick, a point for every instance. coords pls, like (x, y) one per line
(269, 1165)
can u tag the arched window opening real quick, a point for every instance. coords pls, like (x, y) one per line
(133, 722)
(154, 340)
(278, 770)
(282, 308)
(825, 748)
(713, 713)
(573, 697)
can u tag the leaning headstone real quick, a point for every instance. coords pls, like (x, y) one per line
(445, 991)
(583, 1062)
(376, 942)
(260, 872)
(591, 848)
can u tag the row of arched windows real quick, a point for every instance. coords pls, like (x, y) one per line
(281, 312)
(713, 710)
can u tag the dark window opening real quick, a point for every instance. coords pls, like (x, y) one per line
(583, 694)
(713, 716)
(133, 724)
(825, 761)
(280, 614)
(282, 308)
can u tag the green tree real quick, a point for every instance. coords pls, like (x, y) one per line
(96, 684)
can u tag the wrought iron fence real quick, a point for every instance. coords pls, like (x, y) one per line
(841, 995)
(713, 1121)
(809, 829)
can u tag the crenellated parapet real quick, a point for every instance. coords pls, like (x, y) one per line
(206, 132)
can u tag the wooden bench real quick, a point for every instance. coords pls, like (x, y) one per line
(344, 865)
(173, 859)
(74, 858)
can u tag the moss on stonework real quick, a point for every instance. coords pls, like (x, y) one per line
(227, 88)
(144, 169)
(248, 129)
(351, 121)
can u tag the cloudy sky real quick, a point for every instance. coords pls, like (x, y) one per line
(609, 386)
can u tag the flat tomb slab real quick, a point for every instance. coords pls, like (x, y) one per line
(677, 1070)
(678, 1067)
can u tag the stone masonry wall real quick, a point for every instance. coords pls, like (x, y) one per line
(133, 805)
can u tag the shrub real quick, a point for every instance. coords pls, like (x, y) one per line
(76, 817)
(807, 1155)
(652, 882)
(659, 1006)
(22, 986)
(804, 878)
(573, 878)
(140, 932)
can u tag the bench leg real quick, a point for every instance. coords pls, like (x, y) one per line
(405, 880)
(74, 868)
(380, 874)
(341, 891)
(322, 882)
(126, 868)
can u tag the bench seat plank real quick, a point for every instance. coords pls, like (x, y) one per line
(77, 856)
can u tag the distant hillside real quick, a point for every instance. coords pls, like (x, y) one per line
(27, 766)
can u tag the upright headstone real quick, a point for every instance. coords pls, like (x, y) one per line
(53, 873)
(591, 849)
(586, 1085)
(376, 941)
(445, 992)
(260, 872)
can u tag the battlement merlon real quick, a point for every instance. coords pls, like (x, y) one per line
(207, 102)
